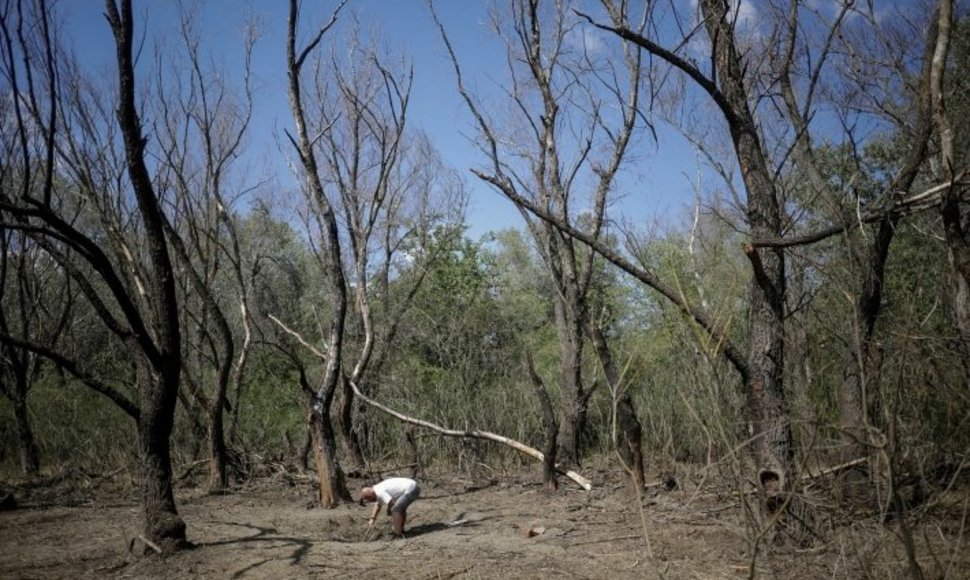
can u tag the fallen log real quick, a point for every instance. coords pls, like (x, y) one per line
(471, 433)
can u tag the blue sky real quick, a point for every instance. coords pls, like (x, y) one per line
(656, 187)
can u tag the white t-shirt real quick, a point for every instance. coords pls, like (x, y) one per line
(393, 488)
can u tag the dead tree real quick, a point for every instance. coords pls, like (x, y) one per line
(953, 165)
(732, 88)
(37, 306)
(371, 186)
(550, 424)
(133, 292)
(332, 486)
(201, 136)
(575, 114)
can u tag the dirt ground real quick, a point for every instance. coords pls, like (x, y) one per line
(504, 527)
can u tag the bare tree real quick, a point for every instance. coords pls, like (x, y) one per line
(735, 83)
(573, 116)
(953, 170)
(868, 251)
(332, 487)
(377, 187)
(135, 300)
(201, 131)
(36, 307)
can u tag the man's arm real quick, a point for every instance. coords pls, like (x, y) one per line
(374, 512)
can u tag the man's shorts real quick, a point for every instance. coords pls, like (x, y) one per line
(405, 499)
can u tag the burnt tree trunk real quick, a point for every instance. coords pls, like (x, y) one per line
(574, 398)
(549, 479)
(774, 444)
(158, 361)
(157, 399)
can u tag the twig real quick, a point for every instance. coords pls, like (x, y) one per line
(297, 336)
(145, 541)
(190, 468)
(396, 468)
(615, 539)
(367, 532)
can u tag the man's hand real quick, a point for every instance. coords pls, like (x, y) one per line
(370, 522)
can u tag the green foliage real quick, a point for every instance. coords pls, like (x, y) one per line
(73, 426)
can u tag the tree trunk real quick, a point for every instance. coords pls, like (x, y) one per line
(158, 364)
(549, 478)
(799, 363)
(332, 486)
(345, 421)
(573, 396)
(163, 525)
(29, 455)
(630, 445)
(630, 442)
(858, 391)
(774, 444)
(958, 254)
(218, 470)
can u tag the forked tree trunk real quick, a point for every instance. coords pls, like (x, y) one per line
(332, 485)
(774, 444)
(858, 391)
(953, 159)
(158, 364)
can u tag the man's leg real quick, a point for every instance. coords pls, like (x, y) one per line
(397, 522)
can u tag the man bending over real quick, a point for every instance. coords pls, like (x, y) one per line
(396, 493)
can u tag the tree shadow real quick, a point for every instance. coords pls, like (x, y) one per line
(423, 529)
(262, 534)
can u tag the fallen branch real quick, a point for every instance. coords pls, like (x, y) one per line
(834, 468)
(471, 433)
(189, 469)
(146, 541)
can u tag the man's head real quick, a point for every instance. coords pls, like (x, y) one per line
(367, 494)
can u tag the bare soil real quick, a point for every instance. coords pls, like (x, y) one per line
(505, 527)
